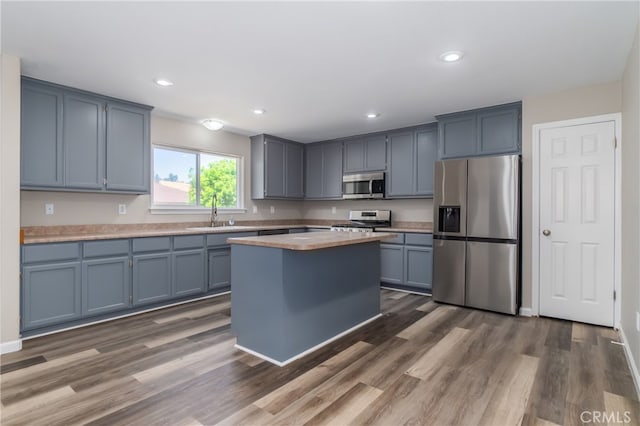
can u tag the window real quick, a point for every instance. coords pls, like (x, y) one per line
(176, 183)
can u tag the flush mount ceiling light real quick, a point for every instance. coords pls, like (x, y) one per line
(451, 56)
(259, 111)
(373, 115)
(163, 82)
(212, 124)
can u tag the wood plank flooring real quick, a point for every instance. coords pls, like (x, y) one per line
(421, 363)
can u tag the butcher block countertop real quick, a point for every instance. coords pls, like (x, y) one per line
(312, 240)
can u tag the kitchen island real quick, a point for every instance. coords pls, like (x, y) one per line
(292, 294)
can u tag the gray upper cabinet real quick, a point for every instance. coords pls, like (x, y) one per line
(83, 136)
(79, 141)
(323, 171)
(41, 136)
(368, 153)
(486, 131)
(411, 157)
(127, 148)
(276, 168)
(294, 158)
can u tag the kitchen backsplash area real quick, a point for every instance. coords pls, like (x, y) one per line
(410, 210)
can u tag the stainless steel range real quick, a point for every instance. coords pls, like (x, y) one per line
(364, 221)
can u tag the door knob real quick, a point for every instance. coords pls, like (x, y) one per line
(546, 232)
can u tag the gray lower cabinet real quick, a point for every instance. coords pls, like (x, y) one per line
(80, 141)
(418, 266)
(406, 262)
(391, 263)
(151, 278)
(105, 285)
(219, 269)
(486, 131)
(189, 272)
(50, 294)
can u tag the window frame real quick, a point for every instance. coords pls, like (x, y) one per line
(155, 208)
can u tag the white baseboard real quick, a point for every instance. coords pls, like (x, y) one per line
(526, 312)
(630, 361)
(13, 346)
(308, 351)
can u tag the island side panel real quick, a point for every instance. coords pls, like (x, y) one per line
(256, 299)
(328, 291)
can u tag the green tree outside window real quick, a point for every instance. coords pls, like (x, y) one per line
(219, 177)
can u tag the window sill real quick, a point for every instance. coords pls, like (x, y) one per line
(192, 210)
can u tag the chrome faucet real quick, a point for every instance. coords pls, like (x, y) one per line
(214, 210)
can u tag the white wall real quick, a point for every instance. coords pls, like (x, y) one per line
(9, 203)
(630, 199)
(580, 102)
(88, 208)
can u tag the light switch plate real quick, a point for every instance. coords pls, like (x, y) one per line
(122, 209)
(638, 321)
(333, 210)
(255, 209)
(272, 209)
(48, 209)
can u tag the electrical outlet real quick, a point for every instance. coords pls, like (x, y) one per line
(272, 209)
(255, 209)
(638, 321)
(48, 209)
(333, 210)
(122, 209)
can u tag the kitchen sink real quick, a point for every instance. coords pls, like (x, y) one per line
(227, 228)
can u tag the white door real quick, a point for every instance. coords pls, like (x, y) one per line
(577, 188)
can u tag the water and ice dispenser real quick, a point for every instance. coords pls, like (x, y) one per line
(449, 219)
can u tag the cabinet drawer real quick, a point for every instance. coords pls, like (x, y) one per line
(397, 240)
(151, 244)
(221, 239)
(106, 248)
(418, 239)
(188, 242)
(48, 252)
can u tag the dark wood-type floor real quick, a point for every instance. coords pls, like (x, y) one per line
(421, 363)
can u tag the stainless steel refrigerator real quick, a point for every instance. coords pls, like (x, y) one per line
(476, 247)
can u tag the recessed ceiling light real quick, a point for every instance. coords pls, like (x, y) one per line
(163, 82)
(451, 56)
(212, 124)
(259, 111)
(373, 115)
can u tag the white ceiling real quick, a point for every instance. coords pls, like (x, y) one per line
(318, 68)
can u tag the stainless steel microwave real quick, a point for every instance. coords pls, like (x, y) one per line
(364, 185)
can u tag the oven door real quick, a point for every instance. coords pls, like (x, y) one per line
(370, 185)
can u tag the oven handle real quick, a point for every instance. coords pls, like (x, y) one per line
(371, 187)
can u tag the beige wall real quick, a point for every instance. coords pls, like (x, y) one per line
(630, 199)
(565, 105)
(87, 208)
(9, 203)
(401, 210)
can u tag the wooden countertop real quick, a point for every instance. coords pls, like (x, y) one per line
(312, 240)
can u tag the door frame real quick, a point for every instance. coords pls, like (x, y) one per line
(535, 208)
